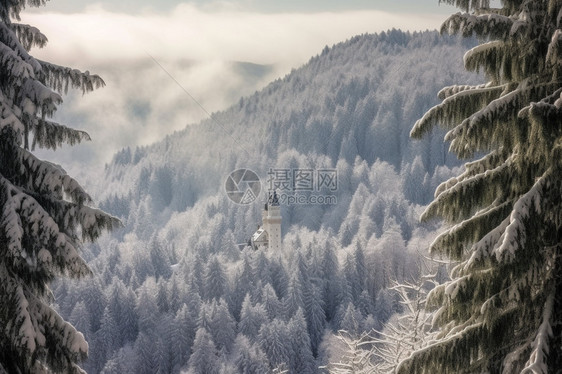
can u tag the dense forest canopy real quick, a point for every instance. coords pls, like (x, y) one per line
(186, 286)
(174, 283)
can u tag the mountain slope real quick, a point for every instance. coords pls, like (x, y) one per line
(177, 263)
(356, 99)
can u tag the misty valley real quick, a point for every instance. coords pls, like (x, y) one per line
(393, 205)
(179, 289)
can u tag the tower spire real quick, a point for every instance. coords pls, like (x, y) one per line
(272, 221)
(269, 234)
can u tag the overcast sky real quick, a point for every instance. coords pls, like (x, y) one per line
(136, 6)
(145, 50)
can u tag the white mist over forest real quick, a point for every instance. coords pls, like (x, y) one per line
(217, 54)
(175, 282)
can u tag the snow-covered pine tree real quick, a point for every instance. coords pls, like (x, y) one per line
(204, 358)
(249, 358)
(44, 213)
(501, 312)
(356, 358)
(404, 332)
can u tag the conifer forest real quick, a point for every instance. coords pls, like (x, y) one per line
(391, 204)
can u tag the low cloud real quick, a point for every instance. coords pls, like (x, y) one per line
(149, 59)
(191, 33)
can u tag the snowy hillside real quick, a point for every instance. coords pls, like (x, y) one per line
(173, 285)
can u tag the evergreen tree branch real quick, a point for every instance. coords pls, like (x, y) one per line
(449, 203)
(13, 65)
(9, 121)
(454, 108)
(48, 179)
(29, 36)
(485, 26)
(468, 5)
(12, 8)
(50, 135)
(446, 92)
(60, 78)
(10, 39)
(456, 241)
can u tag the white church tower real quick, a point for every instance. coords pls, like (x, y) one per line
(268, 236)
(272, 222)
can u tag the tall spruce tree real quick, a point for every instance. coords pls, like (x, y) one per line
(44, 213)
(501, 312)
